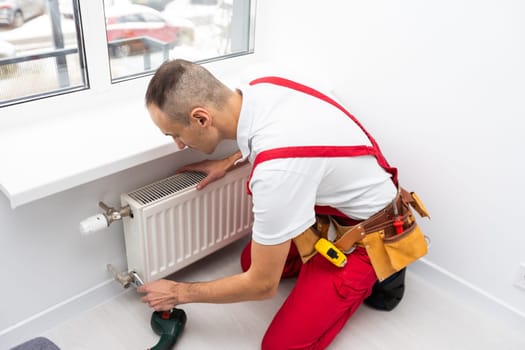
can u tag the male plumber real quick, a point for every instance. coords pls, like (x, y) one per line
(308, 158)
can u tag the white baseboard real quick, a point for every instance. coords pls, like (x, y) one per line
(59, 313)
(469, 294)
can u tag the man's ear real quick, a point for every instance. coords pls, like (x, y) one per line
(201, 116)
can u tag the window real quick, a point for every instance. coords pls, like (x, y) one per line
(41, 50)
(142, 34)
(49, 49)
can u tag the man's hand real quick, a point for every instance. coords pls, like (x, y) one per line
(214, 169)
(259, 282)
(161, 295)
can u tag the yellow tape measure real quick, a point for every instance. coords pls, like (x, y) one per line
(331, 252)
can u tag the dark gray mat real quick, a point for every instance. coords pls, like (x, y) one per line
(39, 343)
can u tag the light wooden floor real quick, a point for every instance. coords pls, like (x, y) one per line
(427, 319)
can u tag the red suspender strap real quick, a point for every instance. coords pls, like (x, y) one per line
(319, 151)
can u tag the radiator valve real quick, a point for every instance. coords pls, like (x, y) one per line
(131, 278)
(100, 221)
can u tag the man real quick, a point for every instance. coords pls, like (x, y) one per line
(311, 156)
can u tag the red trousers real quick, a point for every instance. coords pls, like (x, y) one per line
(322, 300)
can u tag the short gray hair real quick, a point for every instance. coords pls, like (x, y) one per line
(178, 86)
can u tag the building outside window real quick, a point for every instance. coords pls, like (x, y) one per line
(43, 51)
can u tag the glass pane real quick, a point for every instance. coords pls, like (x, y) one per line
(41, 52)
(142, 34)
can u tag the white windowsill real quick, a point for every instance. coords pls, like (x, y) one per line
(61, 142)
(65, 152)
(57, 143)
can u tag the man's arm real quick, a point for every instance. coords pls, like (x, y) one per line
(214, 169)
(259, 282)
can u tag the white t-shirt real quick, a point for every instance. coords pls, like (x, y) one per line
(285, 191)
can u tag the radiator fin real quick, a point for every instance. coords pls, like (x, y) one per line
(163, 188)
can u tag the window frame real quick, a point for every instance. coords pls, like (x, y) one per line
(99, 85)
(57, 53)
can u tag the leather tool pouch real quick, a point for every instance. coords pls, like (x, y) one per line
(392, 253)
(305, 242)
(389, 252)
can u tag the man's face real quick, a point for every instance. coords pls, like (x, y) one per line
(197, 135)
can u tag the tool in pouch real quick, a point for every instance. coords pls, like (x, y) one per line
(167, 324)
(330, 252)
(336, 252)
(398, 222)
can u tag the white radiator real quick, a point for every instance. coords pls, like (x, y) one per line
(173, 225)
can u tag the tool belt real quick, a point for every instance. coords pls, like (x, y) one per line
(389, 249)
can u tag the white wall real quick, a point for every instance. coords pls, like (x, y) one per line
(440, 86)
(49, 271)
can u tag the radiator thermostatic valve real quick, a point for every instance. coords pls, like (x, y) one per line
(93, 223)
(100, 221)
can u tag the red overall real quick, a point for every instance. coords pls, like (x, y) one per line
(325, 296)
